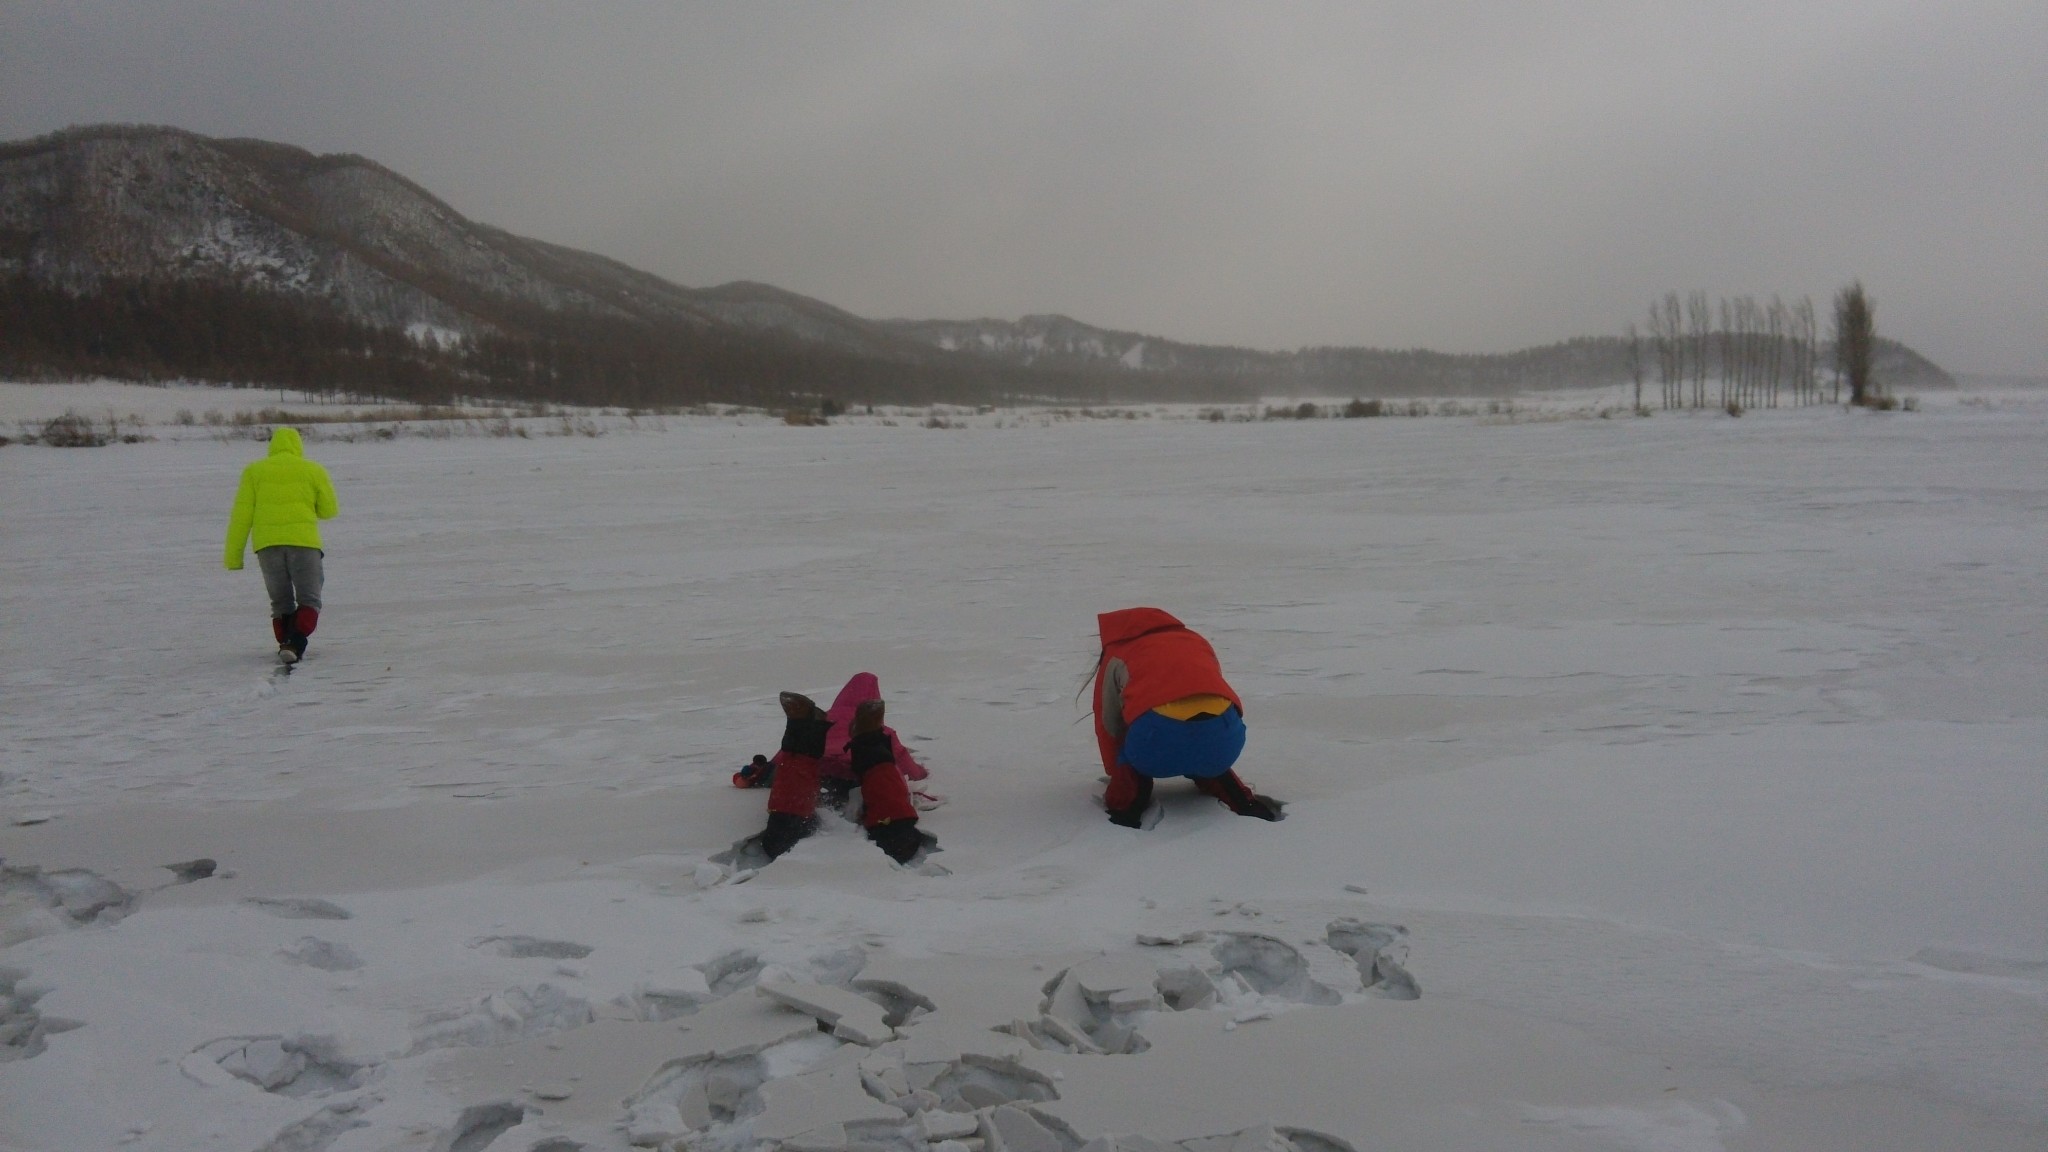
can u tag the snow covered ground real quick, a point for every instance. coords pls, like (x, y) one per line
(145, 404)
(1703, 761)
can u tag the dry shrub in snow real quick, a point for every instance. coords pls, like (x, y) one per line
(74, 431)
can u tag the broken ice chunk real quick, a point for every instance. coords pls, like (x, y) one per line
(939, 1125)
(1117, 983)
(1185, 989)
(849, 1015)
(1020, 1131)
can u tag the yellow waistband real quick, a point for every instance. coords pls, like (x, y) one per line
(1189, 707)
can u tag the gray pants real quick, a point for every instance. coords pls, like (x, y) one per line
(292, 575)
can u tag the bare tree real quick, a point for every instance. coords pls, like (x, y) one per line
(1674, 328)
(1700, 320)
(1775, 327)
(1661, 340)
(1745, 348)
(1727, 351)
(1759, 353)
(1806, 336)
(1635, 362)
(1855, 335)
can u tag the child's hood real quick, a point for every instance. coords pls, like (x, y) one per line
(1127, 624)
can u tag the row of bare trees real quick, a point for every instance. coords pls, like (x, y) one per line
(1761, 354)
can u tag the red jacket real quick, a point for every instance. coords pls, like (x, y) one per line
(1149, 658)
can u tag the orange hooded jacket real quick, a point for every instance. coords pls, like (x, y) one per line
(1149, 658)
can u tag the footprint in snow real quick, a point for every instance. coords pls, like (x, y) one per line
(300, 907)
(534, 948)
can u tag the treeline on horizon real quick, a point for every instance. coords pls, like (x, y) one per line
(1577, 363)
(229, 334)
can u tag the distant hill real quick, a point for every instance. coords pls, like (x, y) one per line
(90, 205)
(148, 253)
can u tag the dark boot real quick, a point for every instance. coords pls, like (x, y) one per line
(900, 840)
(803, 733)
(870, 745)
(1132, 815)
(783, 831)
(1239, 798)
(290, 645)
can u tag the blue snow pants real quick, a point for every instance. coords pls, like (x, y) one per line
(1160, 746)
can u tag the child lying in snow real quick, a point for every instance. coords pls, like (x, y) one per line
(1162, 709)
(835, 771)
(841, 749)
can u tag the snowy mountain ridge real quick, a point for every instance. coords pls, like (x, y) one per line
(1056, 339)
(88, 205)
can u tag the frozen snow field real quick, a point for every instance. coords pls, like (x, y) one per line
(1670, 785)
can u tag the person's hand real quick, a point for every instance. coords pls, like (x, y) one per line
(1261, 807)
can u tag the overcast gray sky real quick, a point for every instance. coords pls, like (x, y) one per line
(1467, 177)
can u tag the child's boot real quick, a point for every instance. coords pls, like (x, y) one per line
(783, 831)
(867, 718)
(1238, 798)
(301, 627)
(900, 840)
(1132, 814)
(289, 646)
(805, 726)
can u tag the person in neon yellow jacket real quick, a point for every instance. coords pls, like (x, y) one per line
(278, 508)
